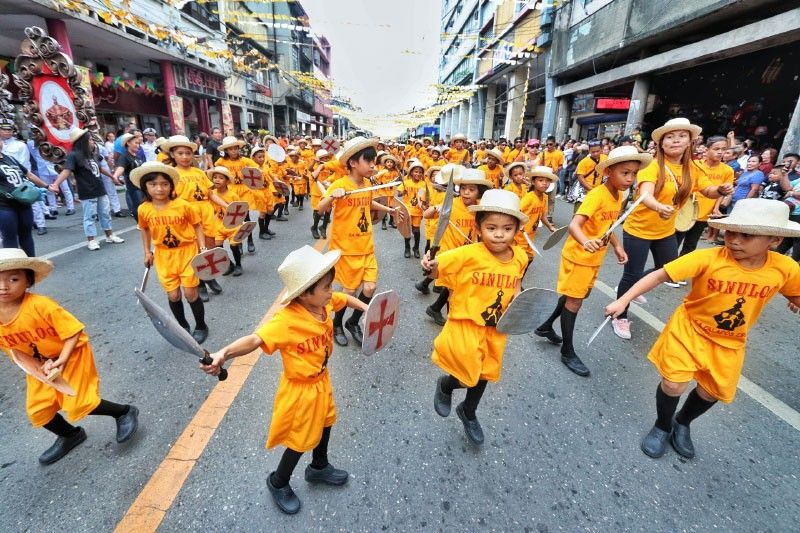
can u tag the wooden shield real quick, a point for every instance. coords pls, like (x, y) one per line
(556, 237)
(33, 368)
(244, 231)
(527, 311)
(687, 215)
(211, 263)
(403, 226)
(253, 178)
(281, 187)
(380, 322)
(376, 215)
(235, 214)
(330, 144)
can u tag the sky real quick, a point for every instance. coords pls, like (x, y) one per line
(384, 53)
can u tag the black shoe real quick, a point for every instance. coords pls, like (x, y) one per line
(270, 232)
(437, 289)
(284, 497)
(338, 336)
(323, 232)
(300, 208)
(471, 427)
(548, 334)
(574, 363)
(281, 219)
(264, 236)
(314, 232)
(251, 246)
(48, 216)
(41, 231)
(416, 253)
(118, 214)
(54, 212)
(72, 212)
(355, 332)
(383, 225)
(682, 440)
(200, 335)
(230, 270)
(237, 271)
(407, 253)
(328, 475)
(442, 401)
(127, 424)
(435, 315)
(214, 286)
(203, 292)
(422, 287)
(62, 447)
(654, 444)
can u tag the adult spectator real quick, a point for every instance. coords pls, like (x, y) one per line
(13, 147)
(118, 148)
(107, 176)
(149, 144)
(47, 172)
(212, 147)
(128, 161)
(768, 158)
(109, 144)
(749, 181)
(16, 219)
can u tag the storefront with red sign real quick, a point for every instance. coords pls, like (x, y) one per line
(189, 93)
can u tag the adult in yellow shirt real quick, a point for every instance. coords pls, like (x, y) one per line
(517, 153)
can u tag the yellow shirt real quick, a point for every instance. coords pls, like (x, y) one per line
(495, 175)
(410, 190)
(511, 155)
(602, 210)
(586, 168)
(718, 174)
(305, 342)
(481, 286)
(520, 190)
(645, 223)
(352, 225)
(335, 169)
(43, 323)
(384, 177)
(726, 298)
(437, 197)
(535, 208)
(228, 197)
(236, 166)
(479, 156)
(170, 226)
(459, 157)
(193, 184)
(553, 159)
(463, 220)
(307, 156)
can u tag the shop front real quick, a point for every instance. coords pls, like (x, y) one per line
(195, 88)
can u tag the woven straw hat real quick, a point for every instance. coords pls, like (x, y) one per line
(355, 145)
(178, 140)
(415, 164)
(230, 142)
(219, 170)
(459, 137)
(497, 154)
(472, 176)
(432, 170)
(158, 142)
(304, 267)
(321, 153)
(675, 124)
(511, 166)
(122, 140)
(393, 158)
(544, 172)
(759, 216)
(316, 142)
(500, 201)
(271, 138)
(150, 167)
(77, 133)
(305, 141)
(257, 149)
(16, 259)
(622, 154)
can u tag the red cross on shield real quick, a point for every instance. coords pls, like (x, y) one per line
(380, 321)
(244, 231)
(234, 216)
(253, 178)
(330, 144)
(210, 264)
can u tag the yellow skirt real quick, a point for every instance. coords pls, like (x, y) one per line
(302, 409)
(469, 352)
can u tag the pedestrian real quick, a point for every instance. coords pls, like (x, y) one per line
(518, 182)
(16, 218)
(48, 174)
(149, 146)
(263, 199)
(109, 183)
(18, 150)
(83, 162)
(482, 279)
(352, 231)
(432, 194)
(296, 170)
(212, 147)
(304, 411)
(234, 161)
(586, 174)
(222, 196)
(534, 205)
(62, 346)
(389, 174)
(586, 247)
(749, 182)
(705, 338)
(126, 162)
(409, 190)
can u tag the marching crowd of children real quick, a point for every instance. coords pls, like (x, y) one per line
(496, 198)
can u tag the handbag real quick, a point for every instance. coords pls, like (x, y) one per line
(26, 193)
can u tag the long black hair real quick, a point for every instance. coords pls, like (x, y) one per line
(82, 150)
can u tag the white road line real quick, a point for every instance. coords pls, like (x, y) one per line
(80, 245)
(770, 402)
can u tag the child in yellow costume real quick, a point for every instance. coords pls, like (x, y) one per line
(492, 168)
(482, 279)
(265, 198)
(458, 153)
(221, 177)
(585, 249)
(534, 205)
(37, 326)
(318, 183)
(234, 161)
(296, 170)
(706, 336)
(518, 181)
(304, 411)
(432, 195)
(410, 192)
(390, 173)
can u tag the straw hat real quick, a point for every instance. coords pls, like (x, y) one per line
(500, 201)
(304, 267)
(178, 140)
(321, 153)
(511, 166)
(542, 171)
(497, 154)
(415, 164)
(150, 167)
(622, 154)
(437, 149)
(16, 259)
(432, 170)
(427, 139)
(122, 140)
(676, 124)
(271, 138)
(230, 142)
(219, 170)
(758, 216)
(459, 137)
(472, 176)
(158, 142)
(304, 141)
(410, 161)
(393, 158)
(257, 149)
(77, 133)
(355, 145)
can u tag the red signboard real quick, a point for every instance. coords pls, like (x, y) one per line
(612, 104)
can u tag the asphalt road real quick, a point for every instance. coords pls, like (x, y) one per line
(561, 452)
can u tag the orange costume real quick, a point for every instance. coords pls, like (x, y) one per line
(193, 187)
(236, 166)
(535, 207)
(172, 230)
(495, 175)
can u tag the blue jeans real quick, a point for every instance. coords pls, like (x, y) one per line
(663, 250)
(133, 197)
(16, 227)
(95, 206)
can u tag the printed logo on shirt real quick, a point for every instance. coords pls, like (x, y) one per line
(170, 241)
(13, 174)
(493, 313)
(313, 344)
(198, 193)
(732, 318)
(363, 224)
(28, 338)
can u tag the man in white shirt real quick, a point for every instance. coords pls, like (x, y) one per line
(47, 172)
(149, 144)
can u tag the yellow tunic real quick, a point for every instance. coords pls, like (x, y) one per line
(535, 208)
(193, 187)
(459, 157)
(236, 166)
(586, 168)
(175, 241)
(222, 233)
(495, 175)
(520, 189)
(410, 190)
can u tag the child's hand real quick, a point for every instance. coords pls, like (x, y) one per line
(427, 263)
(338, 193)
(716, 213)
(51, 364)
(593, 245)
(622, 257)
(614, 309)
(148, 259)
(401, 215)
(217, 360)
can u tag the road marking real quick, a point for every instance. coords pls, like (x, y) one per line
(157, 496)
(80, 245)
(767, 400)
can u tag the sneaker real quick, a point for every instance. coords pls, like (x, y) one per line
(41, 230)
(93, 245)
(641, 300)
(113, 239)
(683, 283)
(672, 284)
(622, 328)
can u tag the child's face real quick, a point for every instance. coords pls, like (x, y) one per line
(540, 184)
(622, 175)
(320, 295)
(182, 156)
(458, 145)
(518, 175)
(389, 164)
(259, 158)
(595, 151)
(491, 161)
(233, 152)
(362, 167)
(13, 284)
(497, 231)
(435, 155)
(469, 194)
(745, 246)
(416, 173)
(220, 181)
(775, 174)
(159, 188)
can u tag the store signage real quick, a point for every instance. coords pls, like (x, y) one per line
(612, 104)
(198, 81)
(303, 117)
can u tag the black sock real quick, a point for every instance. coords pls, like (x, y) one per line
(250, 239)
(261, 226)
(315, 223)
(438, 305)
(692, 408)
(60, 427)
(415, 233)
(548, 324)
(266, 222)
(178, 313)
(473, 398)
(408, 245)
(427, 281)
(107, 408)
(338, 316)
(665, 408)
(326, 219)
(282, 475)
(450, 384)
(356, 316)
(199, 312)
(319, 457)
(567, 330)
(302, 198)
(236, 250)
